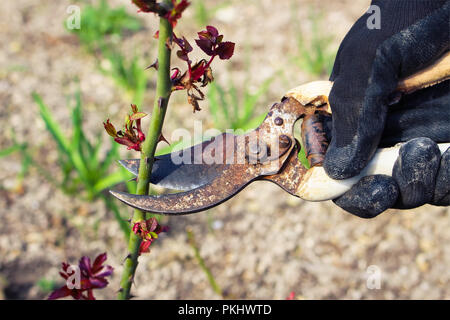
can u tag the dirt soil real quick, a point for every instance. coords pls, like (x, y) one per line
(262, 244)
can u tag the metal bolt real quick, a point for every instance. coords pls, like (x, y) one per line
(284, 141)
(278, 121)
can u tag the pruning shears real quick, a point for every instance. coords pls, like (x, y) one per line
(213, 171)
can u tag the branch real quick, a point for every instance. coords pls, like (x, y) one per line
(163, 90)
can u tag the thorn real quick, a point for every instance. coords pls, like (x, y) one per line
(153, 65)
(169, 43)
(162, 138)
(160, 102)
(120, 290)
(127, 257)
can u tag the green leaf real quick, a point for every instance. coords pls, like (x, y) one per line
(137, 116)
(52, 125)
(10, 150)
(123, 223)
(111, 180)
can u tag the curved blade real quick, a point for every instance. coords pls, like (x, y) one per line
(230, 182)
(189, 168)
(245, 158)
(167, 174)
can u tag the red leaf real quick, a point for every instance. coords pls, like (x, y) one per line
(60, 293)
(152, 223)
(110, 128)
(212, 31)
(145, 246)
(183, 55)
(97, 266)
(145, 6)
(225, 50)
(206, 45)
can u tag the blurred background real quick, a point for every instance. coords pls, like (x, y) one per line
(58, 85)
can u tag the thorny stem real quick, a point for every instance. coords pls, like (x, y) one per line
(163, 90)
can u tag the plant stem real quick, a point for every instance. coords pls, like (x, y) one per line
(202, 264)
(163, 90)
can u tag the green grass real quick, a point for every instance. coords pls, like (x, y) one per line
(84, 172)
(129, 74)
(102, 30)
(204, 13)
(102, 26)
(315, 54)
(201, 262)
(46, 286)
(231, 109)
(25, 162)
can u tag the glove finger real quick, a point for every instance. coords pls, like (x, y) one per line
(425, 113)
(370, 196)
(415, 172)
(359, 117)
(356, 131)
(442, 189)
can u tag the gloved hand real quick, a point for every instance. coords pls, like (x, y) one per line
(413, 34)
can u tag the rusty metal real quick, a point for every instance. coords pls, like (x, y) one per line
(259, 154)
(278, 121)
(314, 138)
(267, 153)
(227, 163)
(291, 174)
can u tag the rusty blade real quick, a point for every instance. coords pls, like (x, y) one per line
(260, 153)
(232, 180)
(189, 168)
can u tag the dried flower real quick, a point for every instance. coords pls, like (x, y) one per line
(90, 277)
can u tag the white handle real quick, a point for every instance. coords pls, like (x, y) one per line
(318, 186)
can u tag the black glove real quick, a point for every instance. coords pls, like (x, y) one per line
(367, 68)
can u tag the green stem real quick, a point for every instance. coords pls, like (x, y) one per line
(202, 264)
(163, 90)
